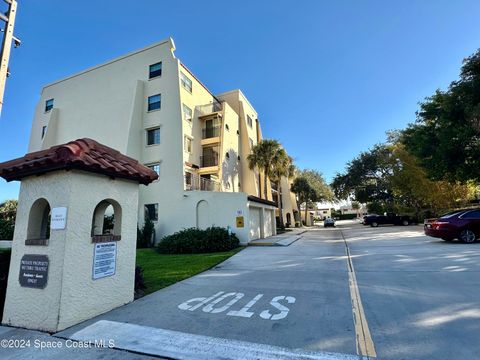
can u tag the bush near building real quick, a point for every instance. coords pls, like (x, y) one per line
(4, 266)
(195, 241)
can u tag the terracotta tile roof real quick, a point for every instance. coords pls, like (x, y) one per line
(82, 154)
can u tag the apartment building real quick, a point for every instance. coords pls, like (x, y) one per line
(150, 106)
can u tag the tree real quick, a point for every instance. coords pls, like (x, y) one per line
(280, 168)
(310, 187)
(263, 156)
(446, 135)
(356, 206)
(8, 212)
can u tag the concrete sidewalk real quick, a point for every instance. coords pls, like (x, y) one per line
(284, 239)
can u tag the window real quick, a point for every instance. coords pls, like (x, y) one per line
(187, 113)
(155, 167)
(154, 102)
(44, 131)
(155, 70)
(151, 212)
(251, 142)
(48, 105)
(153, 136)
(249, 121)
(186, 82)
(188, 145)
(107, 220)
(471, 215)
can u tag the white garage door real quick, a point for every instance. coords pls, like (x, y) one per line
(268, 223)
(254, 223)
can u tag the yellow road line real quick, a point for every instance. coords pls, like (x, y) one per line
(364, 342)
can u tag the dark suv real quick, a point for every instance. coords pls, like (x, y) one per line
(460, 224)
(388, 218)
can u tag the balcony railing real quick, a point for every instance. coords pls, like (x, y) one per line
(208, 160)
(196, 182)
(211, 132)
(209, 108)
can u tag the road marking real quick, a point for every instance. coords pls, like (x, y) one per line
(211, 305)
(177, 345)
(364, 342)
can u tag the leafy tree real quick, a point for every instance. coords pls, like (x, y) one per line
(8, 213)
(446, 135)
(263, 156)
(310, 187)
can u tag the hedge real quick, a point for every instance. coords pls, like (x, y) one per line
(195, 241)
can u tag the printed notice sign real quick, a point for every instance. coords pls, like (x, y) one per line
(104, 260)
(58, 218)
(34, 271)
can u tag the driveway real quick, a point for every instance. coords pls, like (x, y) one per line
(399, 295)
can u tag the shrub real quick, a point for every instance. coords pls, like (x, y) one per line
(145, 236)
(7, 228)
(4, 266)
(139, 283)
(194, 241)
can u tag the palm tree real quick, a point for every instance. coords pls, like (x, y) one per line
(262, 157)
(280, 168)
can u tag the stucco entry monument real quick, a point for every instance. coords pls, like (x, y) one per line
(65, 266)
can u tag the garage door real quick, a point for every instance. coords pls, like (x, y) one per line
(268, 223)
(254, 223)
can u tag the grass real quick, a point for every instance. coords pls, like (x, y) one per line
(160, 270)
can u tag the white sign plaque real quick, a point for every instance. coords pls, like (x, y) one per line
(58, 218)
(104, 260)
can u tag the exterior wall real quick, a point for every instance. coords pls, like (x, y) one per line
(71, 295)
(289, 201)
(108, 103)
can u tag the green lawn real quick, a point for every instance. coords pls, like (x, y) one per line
(161, 270)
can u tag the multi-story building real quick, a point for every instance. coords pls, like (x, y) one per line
(149, 106)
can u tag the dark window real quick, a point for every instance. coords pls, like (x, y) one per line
(475, 214)
(44, 131)
(155, 167)
(155, 70)
(186, 82)
(151, 212)
(187, 113)
(153, 136)
(249, 121)
(154, 102)
(48, 105)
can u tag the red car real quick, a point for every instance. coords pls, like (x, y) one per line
(463, 225)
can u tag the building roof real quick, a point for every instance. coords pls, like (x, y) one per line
(82, 154)
(261, 201)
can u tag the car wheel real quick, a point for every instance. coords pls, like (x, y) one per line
(374, 224)
(405, 223)
(467, 236)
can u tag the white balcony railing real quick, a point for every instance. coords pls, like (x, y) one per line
(196, 182)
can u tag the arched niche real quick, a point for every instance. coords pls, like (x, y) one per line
(38, 230)
(107, 220)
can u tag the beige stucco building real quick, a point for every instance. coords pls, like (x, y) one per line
(149, 106)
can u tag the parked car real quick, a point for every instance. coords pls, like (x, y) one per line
(328, 222)
(365, 221)
(463, 225)
(388, 218)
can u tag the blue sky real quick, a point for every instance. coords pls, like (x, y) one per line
(328, 78)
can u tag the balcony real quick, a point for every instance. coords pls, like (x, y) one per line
(208, 160)
(196, 182)
(208, 109)
(211, 132)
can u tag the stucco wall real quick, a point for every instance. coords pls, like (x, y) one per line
(71, 295)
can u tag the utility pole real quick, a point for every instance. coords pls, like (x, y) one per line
(9, 19)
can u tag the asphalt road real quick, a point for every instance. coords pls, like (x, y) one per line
(420, 296)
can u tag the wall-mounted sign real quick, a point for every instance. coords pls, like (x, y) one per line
(58, 218)
(104, 260)
(240, 222)
(34, 271)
